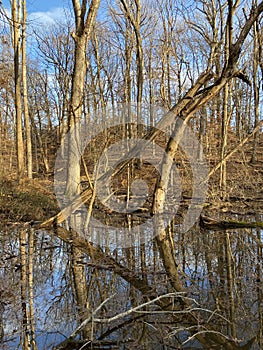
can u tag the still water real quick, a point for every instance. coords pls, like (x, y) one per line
(221, 273)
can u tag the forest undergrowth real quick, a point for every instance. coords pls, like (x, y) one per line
(34, 199)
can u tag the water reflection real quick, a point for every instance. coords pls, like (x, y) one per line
(221, 272)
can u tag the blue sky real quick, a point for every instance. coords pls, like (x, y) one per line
(44, 11)
(48, 11)
(41, 5)
(45, 5)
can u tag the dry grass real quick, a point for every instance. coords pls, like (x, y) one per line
(26, 201)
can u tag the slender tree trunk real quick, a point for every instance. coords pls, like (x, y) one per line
(230, 283)
(224, 132)
(25, 97)
(16, 25)
(151, 88)
(135, 20)
(255, 89)
(31, 287)
(259, 287)
(40, 144)
(140, 64)
(100, 83)
(24, 288)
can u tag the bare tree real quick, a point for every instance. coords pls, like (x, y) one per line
(84, 23)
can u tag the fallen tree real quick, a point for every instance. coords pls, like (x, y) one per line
(212, 224)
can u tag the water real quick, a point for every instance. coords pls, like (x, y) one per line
(226, 294)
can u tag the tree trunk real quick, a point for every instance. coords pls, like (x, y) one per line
(81, 37)
(25, 97)
(135, 20)
(16, 24)
(256, 61)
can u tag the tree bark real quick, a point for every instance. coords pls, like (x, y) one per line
(256, 60)
(16, 36)
(81, 36)
(25, 96)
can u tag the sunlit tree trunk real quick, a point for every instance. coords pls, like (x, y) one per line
(25, 98)
(39, 140)
(225, 124)
(256, 60)
(84, 23)
(226, 100)
(151, 83)
(102, 103)
(127, 76)
(166, 48)
(134, 17)
(16, 36)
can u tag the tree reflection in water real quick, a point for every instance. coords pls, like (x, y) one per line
(221, 272)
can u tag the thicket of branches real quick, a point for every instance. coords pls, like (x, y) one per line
(150, 53)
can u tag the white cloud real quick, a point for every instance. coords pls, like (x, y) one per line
(43, 18)
(48, 17)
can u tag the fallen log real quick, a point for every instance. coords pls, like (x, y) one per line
(212, 224)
